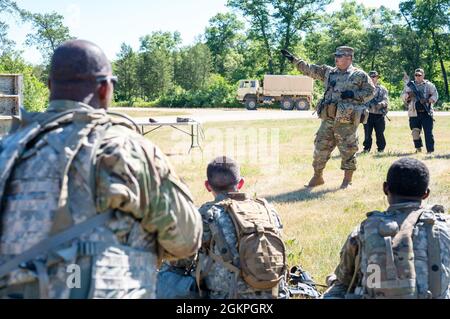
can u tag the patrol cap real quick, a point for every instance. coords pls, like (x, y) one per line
(344, 51)
(421, 71)
(223, 173)
(373, 74)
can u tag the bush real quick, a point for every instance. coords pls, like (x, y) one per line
(217, 93)
(35, 92)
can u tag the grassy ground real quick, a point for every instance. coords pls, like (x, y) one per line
(316, 222)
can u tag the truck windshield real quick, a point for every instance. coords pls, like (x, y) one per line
(245, 85)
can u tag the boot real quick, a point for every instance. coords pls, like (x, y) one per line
(419, 150)
(317, 179)
(348, 175)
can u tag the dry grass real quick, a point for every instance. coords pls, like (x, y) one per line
(316, 222)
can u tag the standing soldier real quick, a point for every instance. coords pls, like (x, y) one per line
(88, 206)
(346, 90)
(378, 108)
(420, 95)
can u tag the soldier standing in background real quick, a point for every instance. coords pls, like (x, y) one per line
(79, 188)
(420, 109)
(346, 90)
(378, 108)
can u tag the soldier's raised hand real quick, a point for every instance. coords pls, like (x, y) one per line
(288, 55)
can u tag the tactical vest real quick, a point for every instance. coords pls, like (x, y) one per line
(42, 165)
(404, 256)
(259, 256)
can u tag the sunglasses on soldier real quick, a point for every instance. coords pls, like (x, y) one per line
(106, 78)
(418, 75)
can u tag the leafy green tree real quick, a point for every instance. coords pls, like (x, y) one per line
(258, 14)
(125, 68)
(222, 37)
(431, 18)
(156, 63)
(49, 33)
(292, 17)
(193, 67)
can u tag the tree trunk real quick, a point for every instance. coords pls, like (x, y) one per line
(441, 61)
(267, 45)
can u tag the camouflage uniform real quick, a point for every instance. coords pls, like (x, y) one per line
(419, 119)
(339, 117)
(116, 169)
(378, 108)
(218, 279)
(349, 280)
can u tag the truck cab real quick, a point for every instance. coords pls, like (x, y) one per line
(248, 92)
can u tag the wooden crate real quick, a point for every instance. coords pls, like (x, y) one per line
(11, 94)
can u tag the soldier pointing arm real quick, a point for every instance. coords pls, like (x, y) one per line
(346, 90)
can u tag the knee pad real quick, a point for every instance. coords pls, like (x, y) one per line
(416, 134)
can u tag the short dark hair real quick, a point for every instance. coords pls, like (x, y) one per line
(408, 177)
(223, 174)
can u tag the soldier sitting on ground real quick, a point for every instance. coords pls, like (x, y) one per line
(242, 254)
(403, 252)
(87, 204)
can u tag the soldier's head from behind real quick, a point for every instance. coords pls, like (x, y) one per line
(407, 180)
(374, 76)
(419, 75)
(80, 71)
(224, 176)
(343, 57)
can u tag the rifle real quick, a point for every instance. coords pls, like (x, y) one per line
(301, 284)
(420, 99)
(376, 101)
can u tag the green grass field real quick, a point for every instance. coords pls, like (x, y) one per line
(316, 222)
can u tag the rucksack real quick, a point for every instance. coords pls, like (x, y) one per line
(405, 255)
(262, 253)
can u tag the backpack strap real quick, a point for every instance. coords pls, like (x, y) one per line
(434, 254)
(54, 242)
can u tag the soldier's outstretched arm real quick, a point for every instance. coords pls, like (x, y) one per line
(135, 177)
(345, 271)
(314, 71)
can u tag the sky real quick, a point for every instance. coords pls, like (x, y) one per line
(109, 23)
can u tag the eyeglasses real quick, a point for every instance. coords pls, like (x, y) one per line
(373, 76)
(107, 78)
(418, 75)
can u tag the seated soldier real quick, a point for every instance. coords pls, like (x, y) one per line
(403, 253)
(242, 254)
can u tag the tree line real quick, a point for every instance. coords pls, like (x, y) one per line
(245, 43)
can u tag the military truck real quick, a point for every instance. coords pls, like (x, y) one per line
(11, 98)
(290, 91)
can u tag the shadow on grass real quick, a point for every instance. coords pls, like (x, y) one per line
(440, 156)
(300, 195)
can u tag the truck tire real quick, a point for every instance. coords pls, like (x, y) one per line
(287, 104)
(302, 104)
(250, 104)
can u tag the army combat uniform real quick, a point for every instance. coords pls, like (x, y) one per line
(340, 118)
(378, 108)
(418, 118)
(80, 166)
(218, 281)
(401, 253)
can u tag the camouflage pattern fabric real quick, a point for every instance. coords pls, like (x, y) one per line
(154, 212)
(218, 280)
(428, 90)
(353, 260)
(381, 94)
(330, 135)
(339, 117)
